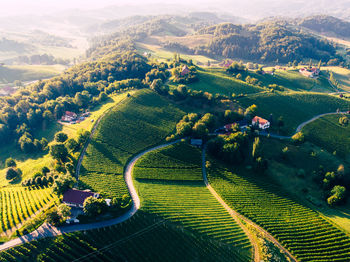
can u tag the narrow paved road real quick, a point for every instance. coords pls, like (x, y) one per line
(235, 215)
(47, 230)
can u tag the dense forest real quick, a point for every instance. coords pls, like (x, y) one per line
(267, 42)
(327, 24)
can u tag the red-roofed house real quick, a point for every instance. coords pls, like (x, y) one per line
(184, 70)
(260, 122)
(69, 116)
(75, 198)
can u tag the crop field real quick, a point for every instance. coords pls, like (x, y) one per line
(327, 133)
(19, 203)
(217, 83)
(295, 108)
(142, 121)
(305, 233)
(178, 162)
(142, 238)
(188, 203)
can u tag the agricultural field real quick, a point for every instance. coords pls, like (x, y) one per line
(300, 229)
(342, 75)
(140, 122)
(19, 203)
(295, 108)
(144, 236)
(34, 163)
(327, 133)
(177, 198)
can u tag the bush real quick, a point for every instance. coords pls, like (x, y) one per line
(94, 206)
(59, 152)
(62, 184)
(298, 137)
(61, 137)
(11, 173)
(10, 162)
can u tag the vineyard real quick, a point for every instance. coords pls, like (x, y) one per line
(142, 238)
(305, 233)
(295, 107)
(187, 202)
(19, 203)
(178, 162)
(140, 122)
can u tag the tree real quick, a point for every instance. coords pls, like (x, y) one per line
(59, 152)
(45, 170)
(200, 130)
(64, 211)
(93, 206)
(62, 184)
(256, 148)
(298, 137)
(11, 173)
(72, 144)
(10, 162)
(53, 217)
(338, 194)
(70, 168)
(61, 137)
(251, 110)
(183, 128)
(209, 120)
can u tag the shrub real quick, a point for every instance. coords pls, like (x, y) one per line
(298, 137)
(11, 173)
(94, 206)
(10, 162)
(61, 137)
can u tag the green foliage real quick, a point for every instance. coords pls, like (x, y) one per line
(62, 184)
(59, 152)
(10, 162)
(61, 137)
(256, 152)
(12, 173)
(94, 206)
(53, 217)
(298, 137)
(338, 194)
(344, 121)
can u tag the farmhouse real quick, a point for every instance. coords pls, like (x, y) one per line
(313, 72)
(226, 63)
(260, 122)
(184, 70)
(75, 198)
(69, 116)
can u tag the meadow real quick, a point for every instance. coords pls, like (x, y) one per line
(300, 229)
(326, 132)
(176, 197)
(141, 121)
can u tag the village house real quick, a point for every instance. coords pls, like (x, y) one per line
(313, 72)
(185, 70)
(260, 122)
(75, 198)
(69, 117)
(226, 63)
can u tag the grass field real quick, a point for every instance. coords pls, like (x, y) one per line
(30, 164)
(9, 74)
(19, 203)
(342, 75)
(295, 108)
(142, 121)
(172, 193)
(142, 238)
(327, 133)
(305, 233)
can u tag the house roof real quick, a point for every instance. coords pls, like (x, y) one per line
(71, 114)
(185, 70)
(261, 121)
(75, 196)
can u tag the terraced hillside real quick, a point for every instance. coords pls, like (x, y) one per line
(19, 203)
(142, 238)
(327, 133)
(305, 233)
(141, 121)
(181, 197)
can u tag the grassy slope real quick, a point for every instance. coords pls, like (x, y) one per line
(294, 107)
(342, 75)
(326, 132)
(8, 74)
(305, 233)
(142, 121)
(29, 164)
(172, 193)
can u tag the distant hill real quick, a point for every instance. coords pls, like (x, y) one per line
(327, 25)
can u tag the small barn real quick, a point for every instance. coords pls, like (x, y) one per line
(75, 198)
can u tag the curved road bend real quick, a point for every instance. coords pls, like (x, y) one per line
(235, 215)
(47, 230)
